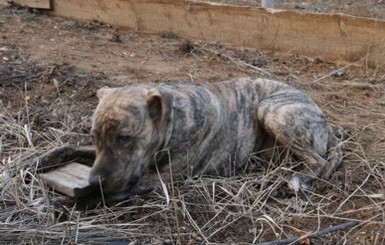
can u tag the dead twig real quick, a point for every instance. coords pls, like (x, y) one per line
(19, 76)
(4, 79)
(238, 62)
(339, 70)
(314, 234)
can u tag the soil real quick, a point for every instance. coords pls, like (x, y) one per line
(51, 68)
(367, 8)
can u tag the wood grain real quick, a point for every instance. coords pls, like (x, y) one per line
(71, 179)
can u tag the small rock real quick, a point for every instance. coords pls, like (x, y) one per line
(116, 37)
(339, 74)
(299, 7)
(167, 242)
(259, 63)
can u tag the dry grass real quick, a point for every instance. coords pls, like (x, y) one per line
(245, 209)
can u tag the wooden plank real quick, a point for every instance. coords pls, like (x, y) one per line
(332, 37)
(71, 179)
(38, 4)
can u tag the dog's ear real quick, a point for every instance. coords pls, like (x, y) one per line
(102, 92)
(158, 107)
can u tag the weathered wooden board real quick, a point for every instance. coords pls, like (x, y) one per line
(71, 179)
(332, 37)
(39, 4)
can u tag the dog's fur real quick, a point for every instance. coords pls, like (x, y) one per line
(201, 128)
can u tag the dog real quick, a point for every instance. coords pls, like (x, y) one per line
(194, 129)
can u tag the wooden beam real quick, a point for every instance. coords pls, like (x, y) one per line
(71, 179)
(332, 37)
(38, 4)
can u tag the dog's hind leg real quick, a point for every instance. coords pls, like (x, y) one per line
(297, 123)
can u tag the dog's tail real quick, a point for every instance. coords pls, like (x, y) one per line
(335, 155)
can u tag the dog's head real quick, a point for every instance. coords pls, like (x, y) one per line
(128, 127)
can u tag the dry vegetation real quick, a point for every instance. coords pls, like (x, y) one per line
(49, 71)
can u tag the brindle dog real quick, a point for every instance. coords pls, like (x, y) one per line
(205, 128)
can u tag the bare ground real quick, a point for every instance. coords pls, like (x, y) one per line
(363, 8)
(50, 69)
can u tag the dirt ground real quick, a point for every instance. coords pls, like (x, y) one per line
(50, 70)
(363, 8)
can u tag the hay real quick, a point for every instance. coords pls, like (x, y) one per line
(243, 209)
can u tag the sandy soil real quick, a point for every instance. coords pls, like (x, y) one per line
(364, 8)
(50, 69)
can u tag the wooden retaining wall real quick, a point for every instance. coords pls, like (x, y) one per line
(331, 37)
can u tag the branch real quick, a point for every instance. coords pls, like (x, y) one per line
(314, 234)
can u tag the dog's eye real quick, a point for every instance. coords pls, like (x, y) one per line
(123, 139)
